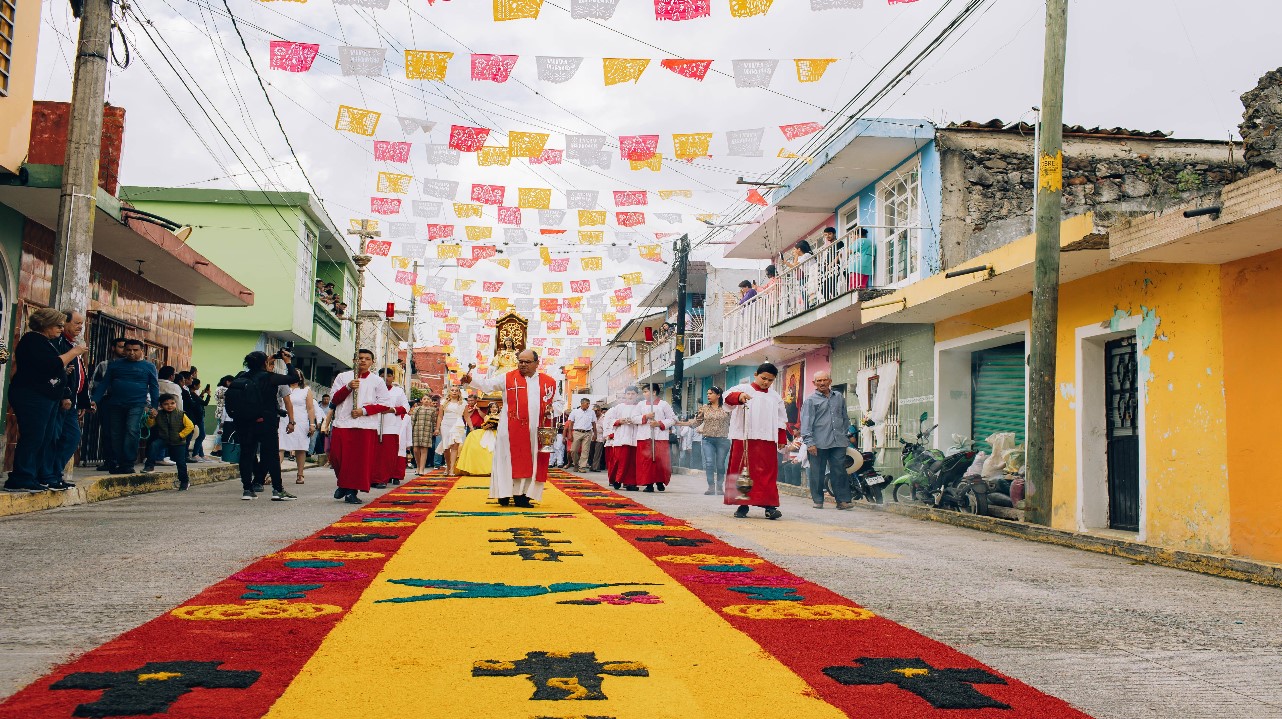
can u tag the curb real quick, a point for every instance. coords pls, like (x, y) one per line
(1219, 565)
(102, 487)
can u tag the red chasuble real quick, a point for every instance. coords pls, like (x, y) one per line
(520, 426)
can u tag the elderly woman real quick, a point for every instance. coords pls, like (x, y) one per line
(36, 392)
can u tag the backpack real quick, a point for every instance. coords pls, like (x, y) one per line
(243, 400)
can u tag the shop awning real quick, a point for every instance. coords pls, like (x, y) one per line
(167, 262)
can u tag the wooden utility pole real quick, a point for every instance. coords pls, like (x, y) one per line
(681, 248)
(73, 246)
(1045, 324)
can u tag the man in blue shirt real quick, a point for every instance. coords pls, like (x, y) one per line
(135, 390)
(823, 430)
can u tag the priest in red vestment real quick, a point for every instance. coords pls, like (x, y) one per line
(519, 468)
(757, 422)
(358, 399)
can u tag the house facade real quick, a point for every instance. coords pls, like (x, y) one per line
(278, 244)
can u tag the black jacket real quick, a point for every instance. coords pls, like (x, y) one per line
(38, 367)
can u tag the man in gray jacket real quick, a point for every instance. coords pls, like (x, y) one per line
(823, 430)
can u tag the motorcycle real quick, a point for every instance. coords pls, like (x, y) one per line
(932, 475)
(978, 494)
(865, 482)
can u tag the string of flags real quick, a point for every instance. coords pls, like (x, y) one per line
(433, 65)
(664, 10)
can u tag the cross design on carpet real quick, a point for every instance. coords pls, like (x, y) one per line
(941, 688)
(151, 688)
(457, 589)
(558, 676)
(533, 546)
(278, 591)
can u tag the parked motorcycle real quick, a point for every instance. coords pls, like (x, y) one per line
(865, 482)
(933, 476)
(978, 493)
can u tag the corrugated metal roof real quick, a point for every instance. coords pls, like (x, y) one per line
(1025, 128)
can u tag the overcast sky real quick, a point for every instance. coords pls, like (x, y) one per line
(1173, 65)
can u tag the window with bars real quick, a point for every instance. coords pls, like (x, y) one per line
(899, 197)
(8, 19)
(872, 358)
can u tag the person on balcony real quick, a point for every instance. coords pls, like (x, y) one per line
(861, 261)
(746, 291)
(833, 269)
(807, 274)
(772, 278)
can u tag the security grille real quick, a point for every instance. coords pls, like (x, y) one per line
(872, 358)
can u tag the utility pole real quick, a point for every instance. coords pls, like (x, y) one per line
(366, 233)
(73, 246)
(1045, 321)
(409, 353)
(681, 249)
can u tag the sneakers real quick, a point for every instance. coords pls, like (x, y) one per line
(709, 492)
(168, 463)
(149, 467)
(182, 486)
(282, 496)
(248, 494)
(31, 488)
(59, 486)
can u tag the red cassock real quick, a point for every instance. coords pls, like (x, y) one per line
(625, 465)
(393, 461)
(609, 463)
(763, 468)
(354, 454)
(653, 466)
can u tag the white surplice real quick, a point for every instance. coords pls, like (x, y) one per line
(391, 424)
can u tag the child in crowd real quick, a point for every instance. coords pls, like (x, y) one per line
(171, 427)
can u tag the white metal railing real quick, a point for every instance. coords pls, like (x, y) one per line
(750, 322)
(662, 354)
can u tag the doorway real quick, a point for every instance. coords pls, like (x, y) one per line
(1121, 378)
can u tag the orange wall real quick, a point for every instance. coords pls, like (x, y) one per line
(1187, 492)
(1252, 291)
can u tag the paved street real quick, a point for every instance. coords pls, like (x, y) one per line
(1118, 640)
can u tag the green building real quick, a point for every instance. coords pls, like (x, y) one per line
(276, 244)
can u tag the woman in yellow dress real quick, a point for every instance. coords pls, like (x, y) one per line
(477, 456)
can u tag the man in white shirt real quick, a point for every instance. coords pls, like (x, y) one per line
(582, 420)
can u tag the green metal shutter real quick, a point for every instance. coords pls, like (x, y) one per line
(997, 393)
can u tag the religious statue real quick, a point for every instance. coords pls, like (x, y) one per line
(509, 341)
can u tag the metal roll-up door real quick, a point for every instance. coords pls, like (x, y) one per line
(997, 393)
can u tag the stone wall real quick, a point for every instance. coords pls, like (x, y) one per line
(1261, 121)
(989, 182)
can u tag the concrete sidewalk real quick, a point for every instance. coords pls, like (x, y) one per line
(94, 486)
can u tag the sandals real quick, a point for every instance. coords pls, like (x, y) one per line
(299, 481)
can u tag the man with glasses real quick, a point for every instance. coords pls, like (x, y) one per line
(134, 387)
(519, 468)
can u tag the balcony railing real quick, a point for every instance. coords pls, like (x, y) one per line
(751, 321)
(836, 269)
(662, 354)
(325, 319)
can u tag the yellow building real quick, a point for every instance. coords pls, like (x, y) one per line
(1166, 369)
(19, 34)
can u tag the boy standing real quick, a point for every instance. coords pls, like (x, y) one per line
(170, 427)
(757, 422)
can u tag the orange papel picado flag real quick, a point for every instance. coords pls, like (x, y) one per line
(426, 65)
(357, 120)
(812, 69)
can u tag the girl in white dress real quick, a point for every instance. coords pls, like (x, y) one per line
(300, 439)
(452, 428)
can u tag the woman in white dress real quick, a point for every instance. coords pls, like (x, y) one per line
(300, 439)
(452, 428)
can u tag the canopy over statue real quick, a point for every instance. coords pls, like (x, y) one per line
(509, 341)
